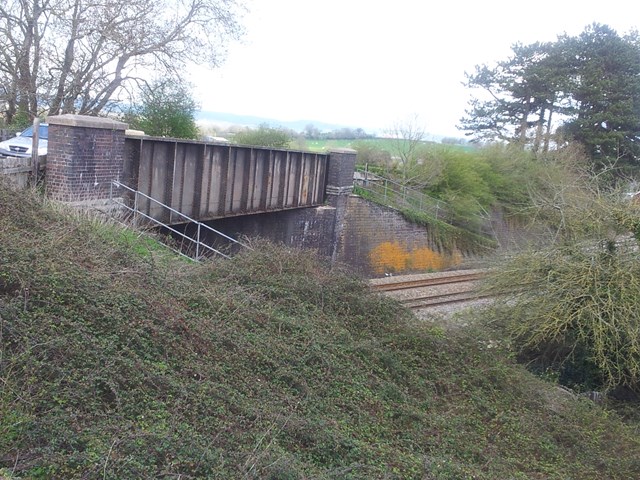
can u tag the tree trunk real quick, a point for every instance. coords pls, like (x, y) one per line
(524, 124)
(547, 133)
(539, 129)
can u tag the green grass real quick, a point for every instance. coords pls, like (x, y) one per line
(326, 145)
(388, 144)
(273, 365)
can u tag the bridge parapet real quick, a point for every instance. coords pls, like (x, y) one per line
(208, 181)
(204, 180)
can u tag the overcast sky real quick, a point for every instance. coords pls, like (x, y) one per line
(371, 63)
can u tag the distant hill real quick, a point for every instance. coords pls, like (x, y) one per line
(229, 119)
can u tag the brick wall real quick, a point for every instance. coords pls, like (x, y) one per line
(340, 172)
(372, 239)
(377, 240)
(85, 155)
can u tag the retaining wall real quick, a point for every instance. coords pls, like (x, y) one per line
(301, 228)
(377, 240)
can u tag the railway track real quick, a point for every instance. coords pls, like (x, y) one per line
(430, 301)
(430, 291)
(428, 282)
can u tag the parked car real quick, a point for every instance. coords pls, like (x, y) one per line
(20, 145)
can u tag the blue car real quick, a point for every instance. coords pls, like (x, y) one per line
(20, 145)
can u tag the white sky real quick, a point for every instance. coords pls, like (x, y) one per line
(371, 63)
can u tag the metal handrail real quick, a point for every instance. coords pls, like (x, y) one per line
(389, 191)
(198, 243)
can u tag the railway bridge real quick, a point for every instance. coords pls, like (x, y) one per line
(206, 181)
(296, 197)
(212, 181)
(302, 199)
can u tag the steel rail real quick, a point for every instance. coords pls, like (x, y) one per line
(445, 300)
(427, 282)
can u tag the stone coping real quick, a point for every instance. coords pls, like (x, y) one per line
(72, 120)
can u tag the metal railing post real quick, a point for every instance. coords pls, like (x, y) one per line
(35, 165)
(135, 208)
(198, 244)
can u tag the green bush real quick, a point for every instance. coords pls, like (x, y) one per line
(571, 307)
(264, 136)
(166, 109)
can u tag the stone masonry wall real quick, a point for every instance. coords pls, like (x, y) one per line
(371, 239)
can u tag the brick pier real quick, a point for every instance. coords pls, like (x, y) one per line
(85, 155)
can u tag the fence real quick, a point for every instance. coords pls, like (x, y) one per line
(387, 192)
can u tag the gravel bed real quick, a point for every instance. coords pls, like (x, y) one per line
(440, 311)
(444, 289)
(447, 312)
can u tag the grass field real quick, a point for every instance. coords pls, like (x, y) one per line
(387, 144)
(377, 143)
(325, 145)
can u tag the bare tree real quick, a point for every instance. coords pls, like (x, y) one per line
(21, 37)
(408, 137)
(82, 56)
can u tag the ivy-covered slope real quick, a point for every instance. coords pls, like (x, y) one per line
(118, 361)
